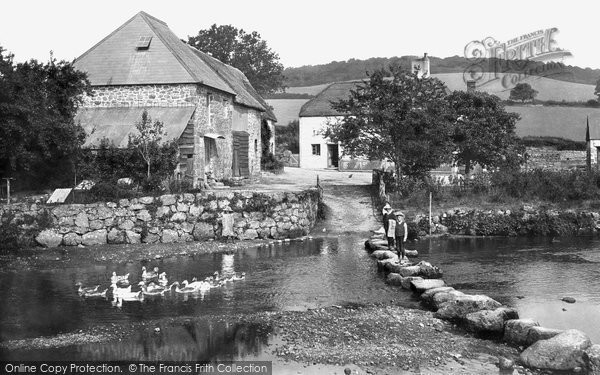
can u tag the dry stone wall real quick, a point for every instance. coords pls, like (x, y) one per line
(172, 218)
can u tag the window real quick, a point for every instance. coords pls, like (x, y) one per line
(316, 149)
(143, 42)
(256, 146)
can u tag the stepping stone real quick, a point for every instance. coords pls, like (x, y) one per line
(424, 284)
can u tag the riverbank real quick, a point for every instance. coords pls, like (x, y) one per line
(376, 338)
(368, 339)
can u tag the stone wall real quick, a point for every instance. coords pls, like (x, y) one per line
(551, 159)
(213, 114)
(143, 95)
(171, 218)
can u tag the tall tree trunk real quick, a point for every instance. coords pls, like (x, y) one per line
(148, 169)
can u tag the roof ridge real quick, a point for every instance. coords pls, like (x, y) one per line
(168, 45)
(108, 36)
(144, 14)
(202, 55)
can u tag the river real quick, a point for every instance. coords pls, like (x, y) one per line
(531, 275)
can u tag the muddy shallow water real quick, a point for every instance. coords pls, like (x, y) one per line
(529, 274)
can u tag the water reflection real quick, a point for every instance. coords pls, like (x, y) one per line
(191, 341)
(529, 274)
(287, 276)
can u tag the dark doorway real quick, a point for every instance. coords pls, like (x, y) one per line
(333, 157)
(240, 163)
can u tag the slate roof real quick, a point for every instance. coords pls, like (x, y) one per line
(117, 124)
(115, 60)
(320, 105)
(246, 94)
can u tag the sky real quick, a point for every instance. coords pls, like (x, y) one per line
(307, 32)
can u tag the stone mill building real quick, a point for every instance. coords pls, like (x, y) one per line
(210, 108)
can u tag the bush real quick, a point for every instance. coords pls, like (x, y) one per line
(271, 163)
(104, 191)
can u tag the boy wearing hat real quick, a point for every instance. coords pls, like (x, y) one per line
(401, 234)
(388, 217)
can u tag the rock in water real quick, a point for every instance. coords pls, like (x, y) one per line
(427, 271)
(562, 352)
(427, 296)
(394, 279)
(541, 333)
(516, 330)
(569, 299)
(409, 271)
(591, 357)
(465, 304)
(420, 286)
(490, 321)
(384, 254)
(407, 281)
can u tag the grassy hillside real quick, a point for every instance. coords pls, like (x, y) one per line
(337, 71)
(286, 110)
(563, 122)
(548, 89)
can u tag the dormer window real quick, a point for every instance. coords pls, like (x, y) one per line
(143, 43)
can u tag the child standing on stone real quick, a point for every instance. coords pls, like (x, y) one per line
(387, 215)
(401, 234)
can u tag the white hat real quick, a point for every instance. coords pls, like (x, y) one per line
(387, 207)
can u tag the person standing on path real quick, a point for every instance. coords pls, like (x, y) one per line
(401, 234)
(388, 217)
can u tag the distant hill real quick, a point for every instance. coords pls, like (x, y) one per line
(548, 89)
(337, 71)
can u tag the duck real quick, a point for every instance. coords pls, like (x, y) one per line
(185, 287)
(152, 289)
(116, 291)
(162, 279)
(200, 285)
(96, 294)
(90, 289)
(239, 276)
(119, 280)
(126, 294)
(147, 275)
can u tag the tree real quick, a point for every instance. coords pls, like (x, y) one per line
(522, 92)
(484, 132)
(247, 52)
(597, 89)
(147, 141)
(39, 138)
(403, 118)
(287, 137)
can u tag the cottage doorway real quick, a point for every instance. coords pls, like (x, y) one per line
(333, 156)
(240, 164)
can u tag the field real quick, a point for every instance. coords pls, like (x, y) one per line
(548, 89)
(564, 122)
(286, 110)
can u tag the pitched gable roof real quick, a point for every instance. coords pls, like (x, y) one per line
(320, 105)
(115, 60)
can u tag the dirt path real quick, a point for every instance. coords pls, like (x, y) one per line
(347, 197)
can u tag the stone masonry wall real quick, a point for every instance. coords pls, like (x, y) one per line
(551, 159)
(142, 95)
(171, 218)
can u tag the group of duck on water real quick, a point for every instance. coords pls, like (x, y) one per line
(154, 283)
